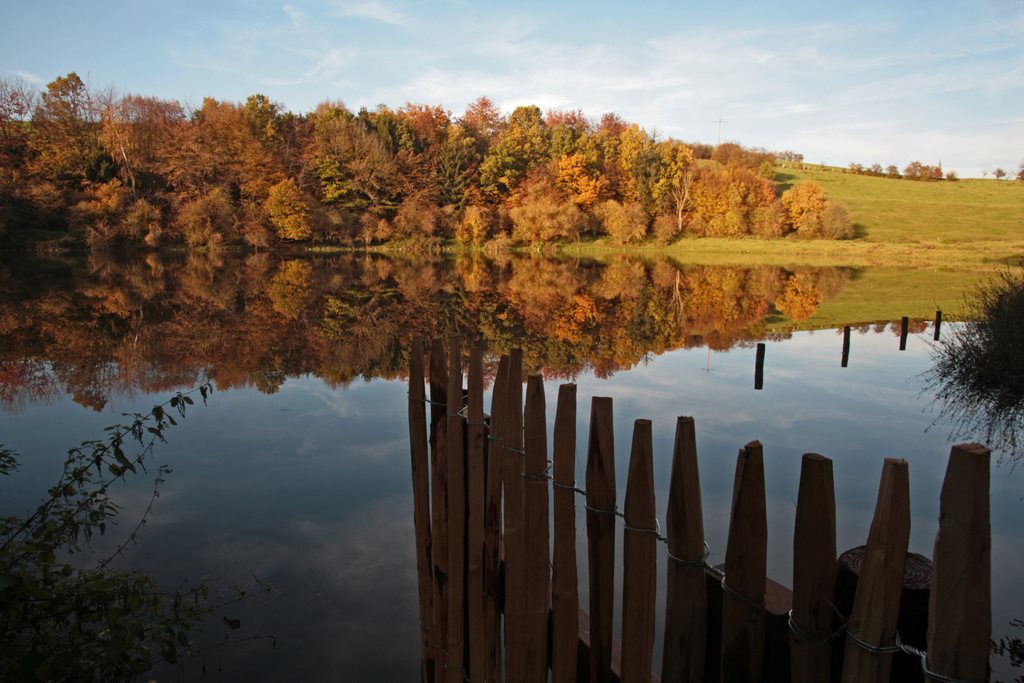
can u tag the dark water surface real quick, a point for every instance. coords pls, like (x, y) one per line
(298, 469)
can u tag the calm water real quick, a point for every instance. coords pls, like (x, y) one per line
(298, 469)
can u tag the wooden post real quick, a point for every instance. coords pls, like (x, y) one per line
(759, 367)
(960, 610)
(476, 487)
(439, 495)
(846, 347)
(493, 584)
(536, 541)
(455, 659)
(686, 601)
(904, 328)
(938, 324)
(746, 557)
(601, 536)
(814, 572)
(421, 505)
(515, 568)
(876, 604)
(565, 593)
(639, 560)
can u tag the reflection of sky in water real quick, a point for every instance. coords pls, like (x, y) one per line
(310, 488)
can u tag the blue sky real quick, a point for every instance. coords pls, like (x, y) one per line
(890, 82)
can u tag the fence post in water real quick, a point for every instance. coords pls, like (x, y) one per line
(759, 367)
(846, 347)
(938, 324)
(515, 569)
(814, 572)
(876, 603)
(455, 657)
(601, 536)
(686, 608)
(904, 329)
(639, 560)
(421, 505)
(439, 494)
(565, 601)
(493, 588)
(960, 609)
(746, 557)
(476, 488)
(536, 540)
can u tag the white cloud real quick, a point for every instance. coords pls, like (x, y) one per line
(375, 11)
(24, 75)
(296, 15)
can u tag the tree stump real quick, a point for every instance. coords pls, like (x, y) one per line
(913, 619)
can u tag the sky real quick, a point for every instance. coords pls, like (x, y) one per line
(887, 82)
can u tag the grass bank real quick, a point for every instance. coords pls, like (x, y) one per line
(976, 225)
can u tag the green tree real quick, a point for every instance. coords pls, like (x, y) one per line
(522, 146)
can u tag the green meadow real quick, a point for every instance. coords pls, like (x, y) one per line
(919, 245)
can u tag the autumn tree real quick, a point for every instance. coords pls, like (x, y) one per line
(64, 134)
(355, 168)
(472, 228)
(545, 215)
(811, 214)
(578, 175)
(289, 210)
(999, 173)
(731, 202)
(675, 175)
(138, 133)
(484, 122)
(522, 146)
(638, 161)
(624, 223)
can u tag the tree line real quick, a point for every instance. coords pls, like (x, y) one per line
(84, 165)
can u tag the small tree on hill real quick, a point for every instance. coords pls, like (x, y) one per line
(999, 173)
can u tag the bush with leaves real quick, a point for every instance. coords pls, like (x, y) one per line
(65, 621)
(976, 372)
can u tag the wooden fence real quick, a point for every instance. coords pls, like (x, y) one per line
(496, 605)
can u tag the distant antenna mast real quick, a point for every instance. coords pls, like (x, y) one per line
(720, 122)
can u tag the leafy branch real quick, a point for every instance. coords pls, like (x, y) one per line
(62, 622)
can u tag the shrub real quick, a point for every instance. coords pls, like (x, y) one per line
(666, 228)
(977, 375)
(835, 222)
(545, 215)
(624, 223)
(472, 228)
(208, 220)
(289, 210)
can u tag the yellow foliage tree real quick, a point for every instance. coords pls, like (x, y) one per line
(289, 211)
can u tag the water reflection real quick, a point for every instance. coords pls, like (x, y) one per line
(106, 326)
(978, 374)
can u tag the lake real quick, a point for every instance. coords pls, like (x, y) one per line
(298, 472)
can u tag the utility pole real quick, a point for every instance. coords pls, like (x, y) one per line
(720, 122)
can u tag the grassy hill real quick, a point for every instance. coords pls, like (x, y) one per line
(897, 210)
(975, 225)
(919, 245)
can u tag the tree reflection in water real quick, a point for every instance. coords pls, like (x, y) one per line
(977, 374)
(102, 326)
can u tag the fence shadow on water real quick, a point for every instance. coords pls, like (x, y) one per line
(496, 605)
